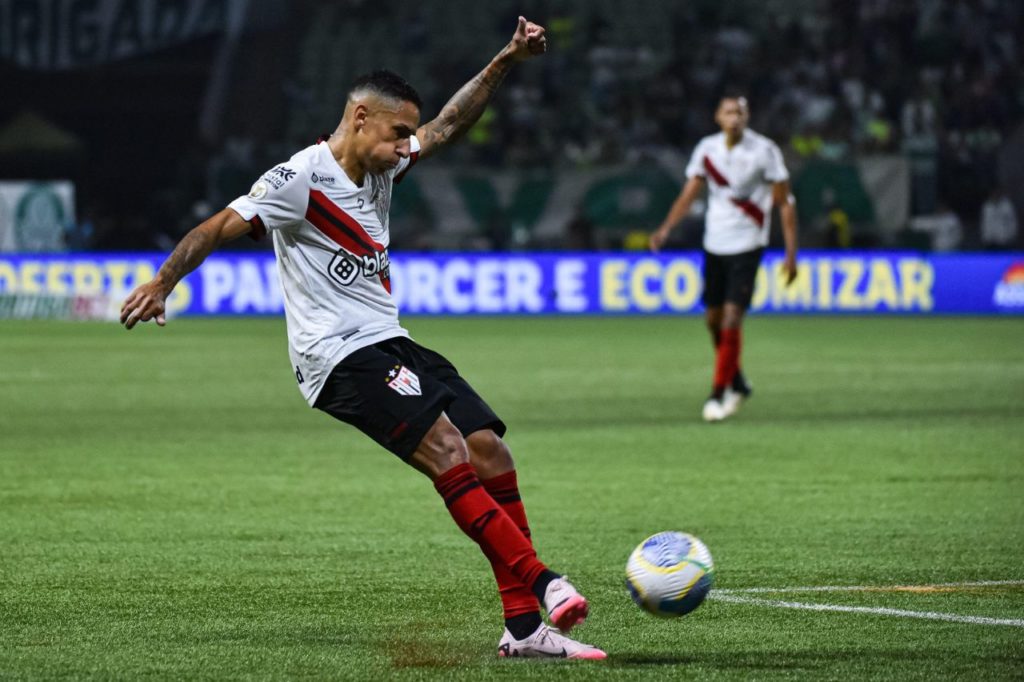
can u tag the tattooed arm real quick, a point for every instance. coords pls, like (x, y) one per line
(146, 302)
(466, 106)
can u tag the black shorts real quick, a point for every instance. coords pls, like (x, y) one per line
(394, 391)
(730, 278)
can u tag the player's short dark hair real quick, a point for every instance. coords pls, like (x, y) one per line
(387, 84)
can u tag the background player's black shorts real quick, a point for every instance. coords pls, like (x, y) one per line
(730, 278)
(394, 391)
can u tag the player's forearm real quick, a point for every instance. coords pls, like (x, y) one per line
(787, 213)
(681, 206)
(190, 252)
(468, 104)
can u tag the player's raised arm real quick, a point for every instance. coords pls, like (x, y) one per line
(466, 105)
(146, 302)
(782, 197)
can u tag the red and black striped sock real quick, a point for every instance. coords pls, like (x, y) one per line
(516, 598)
(487, 524)
(727, 360)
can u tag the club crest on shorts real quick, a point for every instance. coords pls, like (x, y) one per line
(403, 381)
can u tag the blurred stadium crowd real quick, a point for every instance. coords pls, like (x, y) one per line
(926, 96)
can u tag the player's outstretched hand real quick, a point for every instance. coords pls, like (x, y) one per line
(657, 240)
(789, 267)
(528, 41)
(145, 303)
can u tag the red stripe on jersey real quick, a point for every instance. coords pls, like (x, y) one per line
(340, 227)
(752, 210)
(715, 174)
(259, 230)
(412, 162)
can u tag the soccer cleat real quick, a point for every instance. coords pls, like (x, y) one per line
(737, 394)
(566, 607)
(546, 642)
(731, 402)
(714, 410)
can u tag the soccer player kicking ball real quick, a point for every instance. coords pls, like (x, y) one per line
(327, 211)
(746, 177)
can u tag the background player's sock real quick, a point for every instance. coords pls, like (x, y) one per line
(480, 517)
(739, 382)
(516, 598)
(727, 360)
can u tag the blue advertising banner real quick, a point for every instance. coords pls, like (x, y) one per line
(563, 283)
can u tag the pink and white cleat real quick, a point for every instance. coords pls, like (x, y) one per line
(566, 607)
(546, 642)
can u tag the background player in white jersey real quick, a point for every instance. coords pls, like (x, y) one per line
(327, 211)
(746, 177)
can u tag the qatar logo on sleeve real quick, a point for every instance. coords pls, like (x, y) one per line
(1009, 292)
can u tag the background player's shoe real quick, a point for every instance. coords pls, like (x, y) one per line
(731, 402)
(736, 394)
(714, 409)
(566, 607)
(546, 642)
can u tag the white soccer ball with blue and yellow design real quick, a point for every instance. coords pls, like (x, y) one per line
(669, 574)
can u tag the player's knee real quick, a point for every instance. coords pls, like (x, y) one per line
(732, 316)
(441, 449)
(489, 453)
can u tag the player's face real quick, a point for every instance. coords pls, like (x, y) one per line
(732, 116)
(385, 135)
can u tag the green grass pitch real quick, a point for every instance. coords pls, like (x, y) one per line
(171, 509)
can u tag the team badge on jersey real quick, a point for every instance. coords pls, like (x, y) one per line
(404, 381)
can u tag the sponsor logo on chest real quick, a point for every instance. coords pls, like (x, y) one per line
(322, 179)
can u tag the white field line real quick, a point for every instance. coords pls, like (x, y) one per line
(928, 615)
(865, 588)
(733, 596)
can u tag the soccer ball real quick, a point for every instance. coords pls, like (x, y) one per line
(669, 574)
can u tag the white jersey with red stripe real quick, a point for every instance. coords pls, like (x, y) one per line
(331, 239)
(739, 190)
